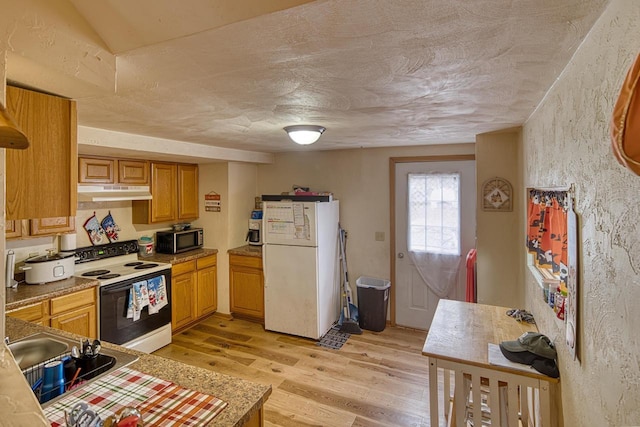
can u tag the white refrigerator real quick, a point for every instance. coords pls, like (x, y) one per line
(301, 268)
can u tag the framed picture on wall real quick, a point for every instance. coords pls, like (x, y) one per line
(497, 195)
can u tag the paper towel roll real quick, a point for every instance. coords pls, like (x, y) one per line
(68, 242)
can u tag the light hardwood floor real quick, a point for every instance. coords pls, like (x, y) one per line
(375, 379)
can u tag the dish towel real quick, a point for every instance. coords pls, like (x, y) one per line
(138, 299)
(161, 403)
(157, 291)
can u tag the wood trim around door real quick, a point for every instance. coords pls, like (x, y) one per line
(392, 213)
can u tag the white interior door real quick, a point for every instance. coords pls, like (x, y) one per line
(415, 301)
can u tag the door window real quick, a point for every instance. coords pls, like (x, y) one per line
(434, 213)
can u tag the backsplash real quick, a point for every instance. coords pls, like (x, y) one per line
(121, 213)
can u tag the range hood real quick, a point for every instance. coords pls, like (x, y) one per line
(113, 193)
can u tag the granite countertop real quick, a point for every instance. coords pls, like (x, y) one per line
(181, 257)
(244, 398)
(247, 250)
(26, 294)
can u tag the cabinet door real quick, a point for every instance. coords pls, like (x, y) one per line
(13, 229)
(51, 226)
(182, 299)
(247, 290)
(187, 191)
(134, 172)
(207, 291)
(81, 321)
(41, 181)
(164, 191)
(96, 171)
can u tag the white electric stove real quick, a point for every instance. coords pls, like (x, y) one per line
(117, 269)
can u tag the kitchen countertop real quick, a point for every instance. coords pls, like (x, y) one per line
(181, 257)
(26, 294)
(244, 398)
(247, 250)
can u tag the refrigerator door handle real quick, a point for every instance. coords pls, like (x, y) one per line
(264, 264)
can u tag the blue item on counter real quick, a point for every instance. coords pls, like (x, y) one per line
(53, 381)
(256, 214)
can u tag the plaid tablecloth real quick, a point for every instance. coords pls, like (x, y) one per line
(160, 402)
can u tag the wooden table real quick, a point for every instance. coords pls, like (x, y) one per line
(458, 343)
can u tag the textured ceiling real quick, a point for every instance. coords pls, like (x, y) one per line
(375, 73)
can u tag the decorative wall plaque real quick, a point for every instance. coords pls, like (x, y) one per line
(497, 195)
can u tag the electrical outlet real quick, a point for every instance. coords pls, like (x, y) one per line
(379, 236)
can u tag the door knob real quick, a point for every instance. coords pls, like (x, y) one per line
(400, 255)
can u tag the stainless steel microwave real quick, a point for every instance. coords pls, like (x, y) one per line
(173, 242)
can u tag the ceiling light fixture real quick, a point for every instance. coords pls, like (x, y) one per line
(304, 134)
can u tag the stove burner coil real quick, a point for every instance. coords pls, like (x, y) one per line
(108, 276)
(145, 266)
(133, 264)
(93, 273)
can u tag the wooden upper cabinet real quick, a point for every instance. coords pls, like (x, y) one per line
(98, 170)
(174, 188)
(134, 172)
(164, 189)
(187, 191)
(13, 229)
(41, 180)
(51, 226)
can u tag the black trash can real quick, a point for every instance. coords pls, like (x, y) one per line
(373, 299)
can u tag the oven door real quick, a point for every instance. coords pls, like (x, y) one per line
(115, 327)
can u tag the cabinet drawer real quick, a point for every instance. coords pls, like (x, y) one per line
(245, 261)
(207, 261)
(183, 267)
(31, 313)
(73, 301)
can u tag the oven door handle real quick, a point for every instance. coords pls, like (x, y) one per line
(116, 289)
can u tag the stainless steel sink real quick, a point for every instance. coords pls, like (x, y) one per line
(32, 352)
(36, 349)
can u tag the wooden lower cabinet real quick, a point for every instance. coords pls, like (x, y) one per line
(183, 299)
(246, 287)
(75, 312)
(81, 321)
(34, 313)
(193, 291)
(207, 301)
(257, 419)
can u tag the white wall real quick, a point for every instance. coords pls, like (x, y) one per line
(360, 180)
(567, 141)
